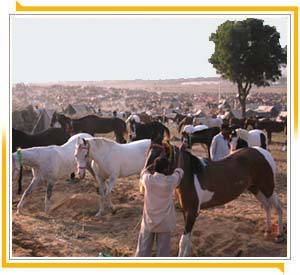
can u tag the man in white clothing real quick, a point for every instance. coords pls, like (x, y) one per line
(159, 218)
(220, 144)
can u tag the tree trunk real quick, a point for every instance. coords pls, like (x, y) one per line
(243, 93)
(243, 106)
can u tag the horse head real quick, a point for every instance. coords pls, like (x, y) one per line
(81, 156)
(162, 149)
(58, 120)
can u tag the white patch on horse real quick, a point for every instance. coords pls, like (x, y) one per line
(57, 125)
(268, 157)
(203, 195)
(185, 247)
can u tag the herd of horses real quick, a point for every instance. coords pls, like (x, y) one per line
(53, 154)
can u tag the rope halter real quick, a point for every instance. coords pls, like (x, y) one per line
(84, 147)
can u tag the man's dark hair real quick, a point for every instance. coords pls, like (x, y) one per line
(161, 164)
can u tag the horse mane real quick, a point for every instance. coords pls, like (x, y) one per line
(100, 140)
(197, 165)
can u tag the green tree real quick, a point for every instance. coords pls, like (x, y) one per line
(247, 53)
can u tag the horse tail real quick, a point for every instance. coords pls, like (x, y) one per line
(263, 141)
(20, 180)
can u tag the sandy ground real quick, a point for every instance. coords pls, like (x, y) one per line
(72, 230)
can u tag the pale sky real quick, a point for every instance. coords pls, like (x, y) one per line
(91, 48)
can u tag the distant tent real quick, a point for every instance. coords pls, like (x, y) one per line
(24, 119)
(267, 111)
(43, 121)
(73, 109)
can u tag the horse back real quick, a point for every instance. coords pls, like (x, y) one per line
(94, 124)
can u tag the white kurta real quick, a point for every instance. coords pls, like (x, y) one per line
(159, 210)
(219, 147)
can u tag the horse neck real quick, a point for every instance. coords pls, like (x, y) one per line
(186, 167)
(202, 138)
(99, 149)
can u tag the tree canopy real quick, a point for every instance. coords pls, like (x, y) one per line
(247, 53)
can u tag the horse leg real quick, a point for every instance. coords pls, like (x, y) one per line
(269, 133)
(48, 195)
(72, 176)
(20, 180)
(185, 248)
(101, 188)
(274, 200)
(267, 206)
(111, 183)
(29, 189)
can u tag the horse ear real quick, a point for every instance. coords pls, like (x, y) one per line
(84, 141)
(78, 141)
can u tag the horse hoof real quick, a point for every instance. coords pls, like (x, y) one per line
(279, 239)
(19, 212)
(99, 214)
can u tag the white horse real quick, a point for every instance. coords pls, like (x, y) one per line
(243, 138)
(190, 129)
(48, 164)
(113, 160)
(209, 122)
(133, 117)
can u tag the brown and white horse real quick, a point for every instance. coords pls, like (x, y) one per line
(208, 183)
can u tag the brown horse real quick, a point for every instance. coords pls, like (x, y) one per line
(208, 183)
(92, 124)
(270, 126)
(151, 130)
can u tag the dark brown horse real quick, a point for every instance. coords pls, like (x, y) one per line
(51, 136)
(206, 184)
(204, 137)
(237, 122)
(92, 124)
(270, 126)
(151, 130)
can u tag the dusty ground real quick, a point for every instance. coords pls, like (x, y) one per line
(71, 230)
